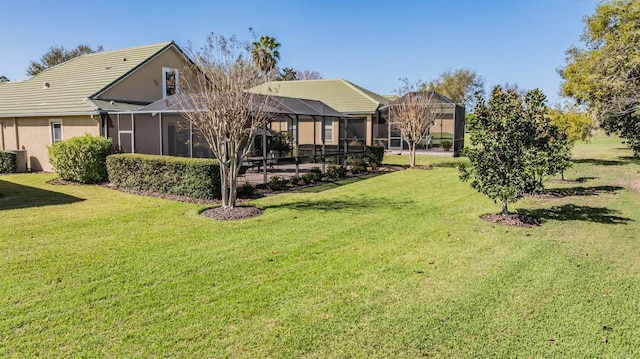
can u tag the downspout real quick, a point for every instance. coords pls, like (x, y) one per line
(15, 128)
(297, 146)
(2, 133)
(264, 152)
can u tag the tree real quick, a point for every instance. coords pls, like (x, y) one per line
(576, 123)
(459, 85)
(57, 55)
(214, 100)
(413, 113)
(503, 147)
(4, 78)
(307, 74)
(604, 75)
(287, 74)
(265, 54)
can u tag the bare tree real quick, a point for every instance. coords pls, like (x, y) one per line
(307, 74)
(413, 113)
(214, 100)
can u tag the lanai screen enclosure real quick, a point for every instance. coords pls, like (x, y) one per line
(300, 131)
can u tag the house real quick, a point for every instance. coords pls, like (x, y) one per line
(79, 96)
(368, 113)
(363, 107)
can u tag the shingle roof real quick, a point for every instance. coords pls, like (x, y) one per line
(339, 94)
(72, 84)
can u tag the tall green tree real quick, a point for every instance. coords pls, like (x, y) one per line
(57, 55)
(604, 75)
(459, 85)
(287, 74)
(265, 54)
(502, 151)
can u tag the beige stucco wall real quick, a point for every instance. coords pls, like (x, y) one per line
(7, 134)
(145, 84)
(34, 134)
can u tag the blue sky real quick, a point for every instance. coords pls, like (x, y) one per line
(370, 43)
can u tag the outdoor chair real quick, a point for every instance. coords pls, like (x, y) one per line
(272, 158)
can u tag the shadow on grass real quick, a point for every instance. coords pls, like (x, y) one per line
(15, 196)
(331, 185)
(345, 205)
(572, 212)
(585, 191)
(621, 161)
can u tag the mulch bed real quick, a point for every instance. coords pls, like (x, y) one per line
(234, 213)
(515, 220)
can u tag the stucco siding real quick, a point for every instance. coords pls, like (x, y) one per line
(145, 84)
(35, 136)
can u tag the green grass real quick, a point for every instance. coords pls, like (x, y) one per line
(396, 265)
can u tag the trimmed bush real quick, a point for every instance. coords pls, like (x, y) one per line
(294, 180)
(306, 178)
(335, 172)
(375, 155)
(8, 162)
(246, 190)
(316, 174)
(276, 183)
(81, 159)
(191, 177)
(359, 168)
(446, 145)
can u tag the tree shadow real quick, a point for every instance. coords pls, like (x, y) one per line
(447, 164)
(572, 212)
(621, 161)
(15, 196)
(584, 191)
(317, 188)
(600, 162)
(359, 205)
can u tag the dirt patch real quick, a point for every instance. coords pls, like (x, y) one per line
(233, 213)
(515, 220)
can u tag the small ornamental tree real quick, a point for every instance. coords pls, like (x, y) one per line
(413, 114)
(214, 100)
(502, 147)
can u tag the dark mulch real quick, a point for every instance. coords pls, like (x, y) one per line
(61, 182)
(233, 213)
(424, 168)
(515, 220)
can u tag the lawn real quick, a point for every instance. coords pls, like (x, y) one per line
(392, 266)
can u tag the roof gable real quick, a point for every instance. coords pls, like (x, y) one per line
(69, 86)
(339, 94)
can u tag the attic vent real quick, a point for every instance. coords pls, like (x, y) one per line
(46, 85)
(124, 59)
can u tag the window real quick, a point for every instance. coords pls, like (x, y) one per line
(328, 130)
(56, 130)
(170, 80)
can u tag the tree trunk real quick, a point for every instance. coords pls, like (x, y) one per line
(412, 154)
(505, 211)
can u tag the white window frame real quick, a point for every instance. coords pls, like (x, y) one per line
(328, 125)
(166, 70)
(55, 121)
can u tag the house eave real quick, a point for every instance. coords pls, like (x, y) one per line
(49, 114)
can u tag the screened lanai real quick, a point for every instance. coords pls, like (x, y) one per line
(447, 128)
(300, 132)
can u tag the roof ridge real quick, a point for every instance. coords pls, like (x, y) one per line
(163, 43)
(359, 89)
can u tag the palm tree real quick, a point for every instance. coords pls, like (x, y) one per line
(265, 53)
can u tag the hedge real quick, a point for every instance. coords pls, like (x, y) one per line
(8, 162)
(191, 177)
(81, 159)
